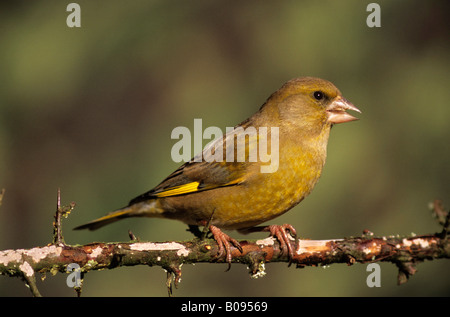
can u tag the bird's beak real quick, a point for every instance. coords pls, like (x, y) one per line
(337, 111)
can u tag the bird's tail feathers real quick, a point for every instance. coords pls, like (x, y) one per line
(109, 218)
(142, 209)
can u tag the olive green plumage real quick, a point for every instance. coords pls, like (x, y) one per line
(238, 195)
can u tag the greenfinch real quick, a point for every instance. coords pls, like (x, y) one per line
(237, 194)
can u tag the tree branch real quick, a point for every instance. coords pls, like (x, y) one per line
(404, 252)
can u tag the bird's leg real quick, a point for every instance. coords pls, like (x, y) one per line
(224, 241)
(284, 234)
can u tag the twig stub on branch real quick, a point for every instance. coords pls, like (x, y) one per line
(404, 252)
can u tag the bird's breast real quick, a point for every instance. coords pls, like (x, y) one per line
(265, 196)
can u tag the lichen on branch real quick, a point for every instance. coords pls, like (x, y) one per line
(405, 252)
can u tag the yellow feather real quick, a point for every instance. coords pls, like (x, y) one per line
(114, 214)
(179, 190)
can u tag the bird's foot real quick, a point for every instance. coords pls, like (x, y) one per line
(284, 234)
(224, 241)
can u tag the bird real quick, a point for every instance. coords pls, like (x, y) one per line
(235, 193)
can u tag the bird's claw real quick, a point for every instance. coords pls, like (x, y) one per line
(284, 234)
(224, 241)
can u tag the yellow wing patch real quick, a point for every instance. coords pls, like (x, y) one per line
(191, 188)
(179, 190)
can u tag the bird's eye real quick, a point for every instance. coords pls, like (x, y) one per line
(318, 95)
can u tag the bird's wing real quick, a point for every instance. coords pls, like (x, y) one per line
(204, 172)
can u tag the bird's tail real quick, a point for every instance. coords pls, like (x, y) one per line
(105, 220)
(145, 209)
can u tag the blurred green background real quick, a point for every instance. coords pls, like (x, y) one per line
(90, 110)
